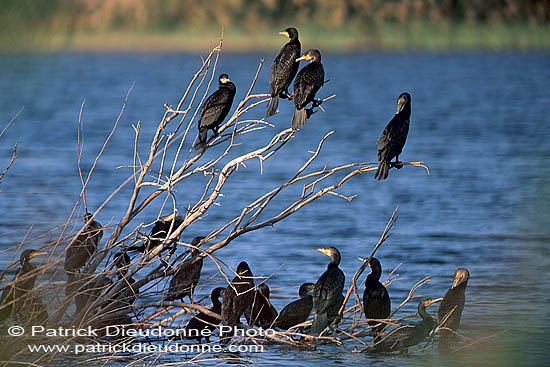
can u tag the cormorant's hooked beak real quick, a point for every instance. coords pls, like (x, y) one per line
(305, 57)
(456, 280)
(37, 253)
(225, 80)
(284, 33)
(323, 250)
(399, 105)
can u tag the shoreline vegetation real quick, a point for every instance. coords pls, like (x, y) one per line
(351, 25)
(421, 36)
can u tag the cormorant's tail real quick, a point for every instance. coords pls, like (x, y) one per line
(382, 171)
(299, 118)
(320, 322)
(272, 106)
(200, 145)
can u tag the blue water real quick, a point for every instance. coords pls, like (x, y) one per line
(479, 121)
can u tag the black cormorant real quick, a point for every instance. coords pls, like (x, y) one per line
(283, 70)
(235, 303)
(261, 313)
(80, 251)
(451, 307)
(90, 291)
(393, 137)
(15, 294)
(214, 110)
(202, 321)
(376, 300)
(127, 295)
(36, 311)
(327, 293)
(160, 231)
(307, 83)
(297, 311)
(186, 276)
(407, 336)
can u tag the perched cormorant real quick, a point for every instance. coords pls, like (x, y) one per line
(393, 137)
(90, 292)
(261, 313)
(202, 321)
(327, 293)
(376, 300)
(115, 310)
(297, 311)
(187, 275)
(80, 251)
(452, 305)
(159, 232)
(283, 70)
(307, 83)
(127, 295)
(36, 311)
(235, 303)
(214, 110)
(15, 294)
(407, 336)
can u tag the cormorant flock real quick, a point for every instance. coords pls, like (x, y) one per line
(322, 299)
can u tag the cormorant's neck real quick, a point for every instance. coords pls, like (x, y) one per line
(216, 302)
(461, 287)
(27, 266)
(375, 273)
(406, 110)
(332, 265)
(424, 314)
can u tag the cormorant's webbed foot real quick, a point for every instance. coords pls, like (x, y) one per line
(284, 95)
(316, 103)
(397, 164)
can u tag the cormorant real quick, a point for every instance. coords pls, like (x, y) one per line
(37, 311)
(214, 110)
(307, 83)
(283, 70)
(80, 251)
(15, 294)
(261, 313)
(127, 295)
(114, 311)
(90, 291)
(202, 321)
(159, 232)
(376, 300)
(407, 336)
(235, 303)
(452, 305)
(187, 275)
(327, 293)
(297, 311)
(393, 137)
